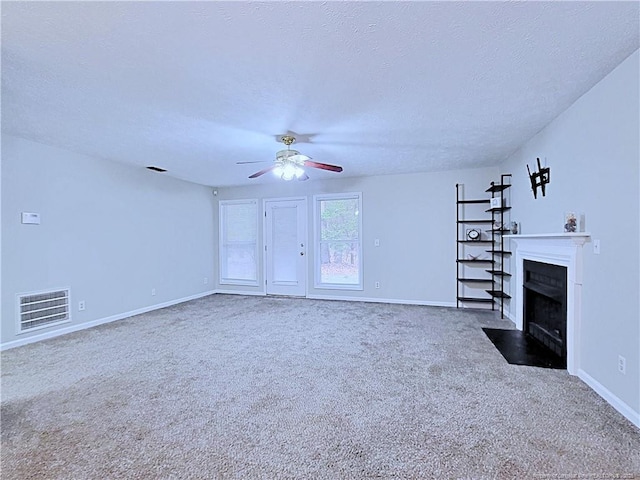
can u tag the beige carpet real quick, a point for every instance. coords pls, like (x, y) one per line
(276, 388)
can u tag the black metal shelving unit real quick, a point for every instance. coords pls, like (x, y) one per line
(498, 252)
(471, 285)
(486, 287)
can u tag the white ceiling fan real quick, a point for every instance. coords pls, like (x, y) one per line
(289, 163)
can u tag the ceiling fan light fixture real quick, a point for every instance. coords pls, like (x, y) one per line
(299, 172)
(288, 175)
(299, 158)
(288, 171)
(278, 171)
(290, 156)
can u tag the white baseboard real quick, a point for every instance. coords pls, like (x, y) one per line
(94, 323)
(628, 412)
(240, 292)
(349, 299)
(382, 300)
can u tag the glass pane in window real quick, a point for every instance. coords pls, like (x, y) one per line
(240, 222)
(340, 263)
(339, 219)
(239, 262)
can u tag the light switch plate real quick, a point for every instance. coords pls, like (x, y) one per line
(30, 218)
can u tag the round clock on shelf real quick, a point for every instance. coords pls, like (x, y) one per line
(473, 234)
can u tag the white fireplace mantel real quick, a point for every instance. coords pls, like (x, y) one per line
(563, 249)
(580, 238)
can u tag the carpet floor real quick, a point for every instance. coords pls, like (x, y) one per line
(280, 388)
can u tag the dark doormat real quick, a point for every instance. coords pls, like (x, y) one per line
(519, 349)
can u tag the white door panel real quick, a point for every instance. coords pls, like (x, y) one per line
(285, 253)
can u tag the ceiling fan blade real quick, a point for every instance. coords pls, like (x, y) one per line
(323, 166)
(253, 161)
(262, 172)
(303, 177)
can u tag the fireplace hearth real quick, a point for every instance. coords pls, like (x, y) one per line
(545, 306)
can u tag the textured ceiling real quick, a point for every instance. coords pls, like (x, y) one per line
(377, 87)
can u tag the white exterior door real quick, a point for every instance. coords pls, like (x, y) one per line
(286, 247)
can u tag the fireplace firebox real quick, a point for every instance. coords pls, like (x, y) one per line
(545, 305)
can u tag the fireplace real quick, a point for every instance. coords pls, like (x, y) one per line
(545, 306)
(563, 250)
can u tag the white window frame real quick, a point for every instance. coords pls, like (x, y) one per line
(317, 227)
(221, 239)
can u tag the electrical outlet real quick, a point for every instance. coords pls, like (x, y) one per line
(622, 365)
(596, 247)
(377, 284)
(153, 291)
(81, 306)
(376, 242)
(206, 280)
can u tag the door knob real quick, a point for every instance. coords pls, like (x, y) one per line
(301, 253)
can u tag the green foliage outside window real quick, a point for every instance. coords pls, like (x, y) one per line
(339, 243)
(339, 219)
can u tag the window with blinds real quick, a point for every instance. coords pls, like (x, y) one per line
(239, 242)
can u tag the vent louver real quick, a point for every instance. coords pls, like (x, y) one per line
(43, 309)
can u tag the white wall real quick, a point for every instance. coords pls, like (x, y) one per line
(593, 150)
(412, 215)
(110, 232)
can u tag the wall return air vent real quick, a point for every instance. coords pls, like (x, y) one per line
(43, 309)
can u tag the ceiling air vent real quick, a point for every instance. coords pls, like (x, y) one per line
(157, 169)
(43, 309)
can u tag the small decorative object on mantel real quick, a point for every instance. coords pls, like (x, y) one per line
(573, 222)
(570, 222)
(513, 226)
(539, 179)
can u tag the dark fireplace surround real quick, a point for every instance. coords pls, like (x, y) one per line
(545, 305)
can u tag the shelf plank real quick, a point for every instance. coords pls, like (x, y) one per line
(499, 252)
(497, 188)
(465, 260)
(474, 299)
(475, 241)
(475, 280)
(484, 200)
(498, 273)
(498, 209)
(479, 221)
(497, 294)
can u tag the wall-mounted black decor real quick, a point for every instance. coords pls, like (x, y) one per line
(539, 179)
